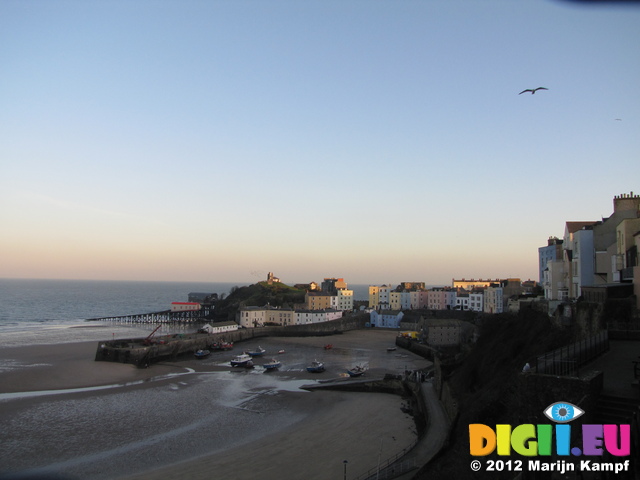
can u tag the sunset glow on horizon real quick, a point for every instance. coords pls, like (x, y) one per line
(374, 141)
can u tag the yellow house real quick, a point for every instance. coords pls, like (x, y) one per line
(317, 300)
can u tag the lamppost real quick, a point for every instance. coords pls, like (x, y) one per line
(345, 469)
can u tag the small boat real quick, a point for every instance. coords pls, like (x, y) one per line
(257, 352)
(280, 351)
(225, 345)
(316, 367)
(242, 360)
(202, 354)
(272, 365)
(391, 349)
(328, 346)
(357, 371)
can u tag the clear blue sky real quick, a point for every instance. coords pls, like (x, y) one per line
(375, 140)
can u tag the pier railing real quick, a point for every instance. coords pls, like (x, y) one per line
(164, 316)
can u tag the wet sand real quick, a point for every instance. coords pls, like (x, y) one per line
(253, 424)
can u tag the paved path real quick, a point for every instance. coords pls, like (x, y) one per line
(430, 444)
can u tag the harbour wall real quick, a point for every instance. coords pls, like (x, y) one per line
(169, 347)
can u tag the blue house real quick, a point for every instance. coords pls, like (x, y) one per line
(386, 318)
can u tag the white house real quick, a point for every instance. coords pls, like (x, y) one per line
(476, 300)
(220, 327)
(305, 317)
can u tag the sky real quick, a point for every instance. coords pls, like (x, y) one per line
(379, 141)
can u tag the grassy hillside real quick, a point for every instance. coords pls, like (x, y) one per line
(258, 294)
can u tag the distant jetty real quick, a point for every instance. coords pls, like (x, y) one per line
(164, 316)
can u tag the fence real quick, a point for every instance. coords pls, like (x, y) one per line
(391, 467)
(567, 360)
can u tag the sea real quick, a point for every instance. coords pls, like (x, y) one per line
(43, 311)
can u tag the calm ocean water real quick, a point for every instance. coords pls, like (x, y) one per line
(49, 311)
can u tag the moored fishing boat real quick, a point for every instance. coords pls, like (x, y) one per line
(202, 354)
(242, 360)
(316, 367)
(257, 352)
(222, 346)
(273, 364)
(357, 371)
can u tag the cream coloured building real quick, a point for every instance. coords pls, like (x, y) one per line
(344, 300)
(493, 300)
(379, 296)
(471, 284)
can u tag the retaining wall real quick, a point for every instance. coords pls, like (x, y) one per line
(169, 347)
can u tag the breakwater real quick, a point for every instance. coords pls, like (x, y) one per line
(145, 351)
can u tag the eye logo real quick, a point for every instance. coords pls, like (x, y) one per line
(563, 412)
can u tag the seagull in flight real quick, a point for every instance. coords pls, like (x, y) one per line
(533, 90)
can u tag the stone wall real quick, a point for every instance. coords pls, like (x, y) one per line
(170, 347)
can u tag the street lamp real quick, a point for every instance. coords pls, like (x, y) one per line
(345, 469)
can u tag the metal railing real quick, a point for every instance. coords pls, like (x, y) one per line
(565, 361)
(391, 467)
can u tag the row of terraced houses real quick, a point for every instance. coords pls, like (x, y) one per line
(595, 260)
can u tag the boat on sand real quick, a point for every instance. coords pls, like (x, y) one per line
(357, 371)
(242, 360)
(273, 364)
(316, 367)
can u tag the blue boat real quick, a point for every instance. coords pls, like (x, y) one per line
(272, 365)
(257, 352)
(202, 354)
(316, 367)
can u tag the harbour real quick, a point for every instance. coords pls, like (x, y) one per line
(157, 422)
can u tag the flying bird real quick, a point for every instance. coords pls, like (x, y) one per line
(533, 90)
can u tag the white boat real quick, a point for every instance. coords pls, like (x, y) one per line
(242, 360)
(357, 371)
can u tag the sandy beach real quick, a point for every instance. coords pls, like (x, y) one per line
(195, 419)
